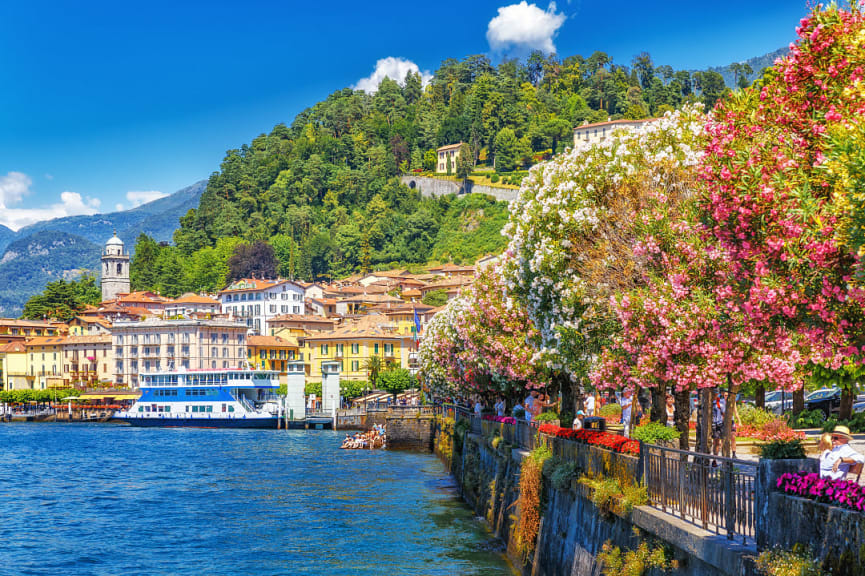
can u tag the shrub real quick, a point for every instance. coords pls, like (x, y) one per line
(778, 562)
(610, 410)
(546, 417)
(856, 424)
(494, 178)
(783, 450)
(566, 419)
(610, 496)
(633, 562)
(562, 475)
(845, 493)
(755, 417)
(530, 500)
(520, 414)
(808, 419)
(776, 430)
(655, 432)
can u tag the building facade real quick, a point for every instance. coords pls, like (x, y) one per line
(88, 361)
(255, 302)
(191, 344)
(450, 152)
(599, 131)
(115, 269)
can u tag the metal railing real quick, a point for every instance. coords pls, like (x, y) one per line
(713, 492)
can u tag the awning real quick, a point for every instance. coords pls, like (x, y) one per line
(107, 395)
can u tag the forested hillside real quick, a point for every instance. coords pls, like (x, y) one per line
(323, 190)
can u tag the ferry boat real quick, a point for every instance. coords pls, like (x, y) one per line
(232, 398)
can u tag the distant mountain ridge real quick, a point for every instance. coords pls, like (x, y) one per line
(157, 219)
(65, 248)
(757, 64)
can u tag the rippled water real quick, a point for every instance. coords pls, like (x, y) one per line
(104, 499)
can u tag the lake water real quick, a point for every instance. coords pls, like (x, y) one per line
(105, 499)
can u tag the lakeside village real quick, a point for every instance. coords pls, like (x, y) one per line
(660, 374)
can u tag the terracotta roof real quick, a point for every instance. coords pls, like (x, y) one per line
(369, 326)
(46, 341)
(13, 347)
(389, 274)
(301, 318)
(411, 293)
(372, 298)
(196, 299)
(142, 297)
(273, 341)
(89, 339)
(449, 146)
(27, 323)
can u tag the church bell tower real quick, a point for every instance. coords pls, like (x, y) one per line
(115, 269)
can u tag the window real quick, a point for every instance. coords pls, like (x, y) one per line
(263, 354)
(323, 349)
(296, 309)
(375, 348)
(355, 348)
(355, 365)
(225, 352)
(224, 338)
(273, 308)
(388, 349)
(214, 352)
(240, 352)
(213, 338)
(119, 351)
(339, 348)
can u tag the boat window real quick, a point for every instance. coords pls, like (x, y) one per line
(210, 408)
(231, 408)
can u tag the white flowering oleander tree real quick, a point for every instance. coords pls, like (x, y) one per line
(575, 226)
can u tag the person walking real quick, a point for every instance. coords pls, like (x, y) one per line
(590, 405)
(627, 406)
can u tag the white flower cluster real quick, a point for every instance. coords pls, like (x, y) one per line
(555, 221)
(440, 338)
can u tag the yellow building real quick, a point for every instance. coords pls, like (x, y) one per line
(452, 152)
(11, 329)
(45, 362)
(88, 360)
(599, 131)
(354, 344)
(13, 366)
(271, 352)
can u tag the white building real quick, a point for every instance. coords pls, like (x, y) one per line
(257, 301)
(594, 133)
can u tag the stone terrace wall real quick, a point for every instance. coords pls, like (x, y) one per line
(411, 432)
(573, 529)
(439, 187)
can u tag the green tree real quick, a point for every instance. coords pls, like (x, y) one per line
(435, 298)
(507, 149)
(395, 381)
(373, 366)
(465, 162)
(143, 274)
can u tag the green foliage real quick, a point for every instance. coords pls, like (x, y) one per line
(655, 432)
(546, 417)
(610, 410)
(783, 450)
(519, 413)
(633, 562)
(63, 300)
(856, 423)
(494, 178)
(611, 497)
(373, 366)
(562, 472)
(312, 388)
(396, 380)
(435, 298)
(353, 388)
(808, 419)
(780, 562)
(753, 416)
(17, 396)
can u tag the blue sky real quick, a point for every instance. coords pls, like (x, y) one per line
(107, 104)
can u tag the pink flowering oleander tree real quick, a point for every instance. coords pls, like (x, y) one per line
(481, 343)
(774, 207)
(498, 333)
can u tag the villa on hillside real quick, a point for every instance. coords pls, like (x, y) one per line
(594, 133)
(451, 151)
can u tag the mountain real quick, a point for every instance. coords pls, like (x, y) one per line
(66, 247)
(757, 64)
(29, 263)
(6, 236)
(158, 219)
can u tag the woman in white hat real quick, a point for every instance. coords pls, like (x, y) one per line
(842, 456)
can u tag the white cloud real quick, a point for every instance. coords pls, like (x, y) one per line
(393, 68)
(16, 185)
(139, 197)
(524, 27)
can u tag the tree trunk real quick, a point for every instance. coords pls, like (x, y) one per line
(569, 390)
(728, 416)
(659, 404)
(760, 396)
(846, 410)
(683, 417)
(798, 401)
(706, 419)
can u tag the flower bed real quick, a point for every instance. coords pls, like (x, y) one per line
(842, 493)
(502, 419)
(606, 440)
(776, 430)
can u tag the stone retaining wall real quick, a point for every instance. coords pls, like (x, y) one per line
(439, 187)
